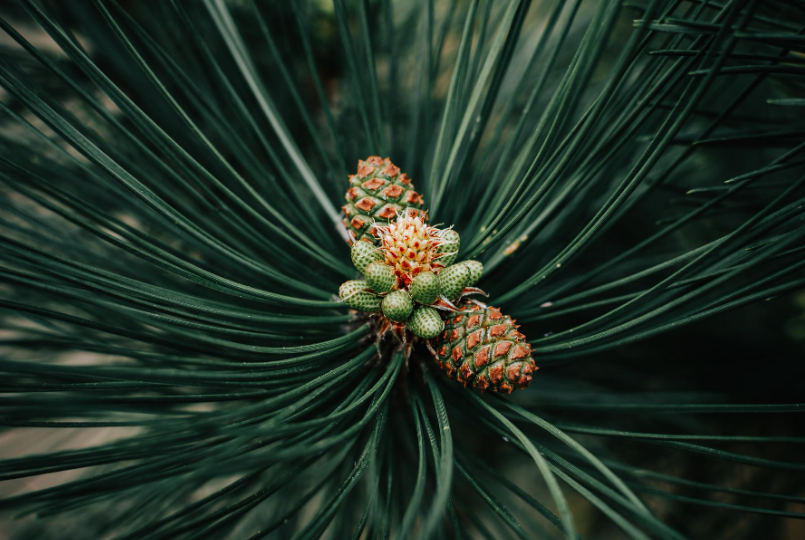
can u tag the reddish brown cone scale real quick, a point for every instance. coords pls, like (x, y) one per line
(497, 330)
(366, 204)
(520, 352)
(391, 170)
(387, 212)
(502, 347)
(496, 372)
(482, 357)
(374, 184)
(414, 198)
(473, 339)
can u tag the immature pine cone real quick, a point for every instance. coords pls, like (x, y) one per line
(482, 347)
(378, 193)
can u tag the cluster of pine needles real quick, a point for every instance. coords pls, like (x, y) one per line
(174, 360)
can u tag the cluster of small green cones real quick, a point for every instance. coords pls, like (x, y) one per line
(413, 284)
(408, 298)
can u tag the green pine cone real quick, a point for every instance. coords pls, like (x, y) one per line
(425, 322)
(452, 281)
(451, 242)
(356, 294)
(363, 253)
(476, 271)
(397, 306)
(380, 277)
(483, 348)
(425, 288)
(377, 193)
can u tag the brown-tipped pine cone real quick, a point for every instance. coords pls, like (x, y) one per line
(377, 194)
(482, 347)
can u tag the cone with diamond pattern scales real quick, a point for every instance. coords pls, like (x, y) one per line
(482, 348)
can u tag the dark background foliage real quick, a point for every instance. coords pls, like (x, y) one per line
(173, 362)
